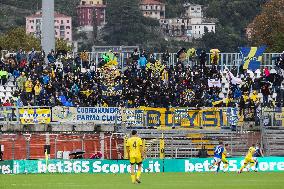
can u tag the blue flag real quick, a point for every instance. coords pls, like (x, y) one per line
(252, 57)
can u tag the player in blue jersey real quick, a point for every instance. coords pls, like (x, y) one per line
(218, 151)
(258, 153)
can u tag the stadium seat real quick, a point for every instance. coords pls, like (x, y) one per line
(2, 94)
(9, 89)
(8, 95)
(2, 89)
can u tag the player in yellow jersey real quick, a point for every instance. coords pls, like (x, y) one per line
(134, 147)
(224, 155)
(248, 159)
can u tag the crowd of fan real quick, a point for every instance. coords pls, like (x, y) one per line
(145, 82)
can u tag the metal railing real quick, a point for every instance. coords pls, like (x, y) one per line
(228, 60)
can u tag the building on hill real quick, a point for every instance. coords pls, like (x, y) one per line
(192, 25)
(193, 10)
(62, 25)
(86, 11)
(153, 9)
(91, 2)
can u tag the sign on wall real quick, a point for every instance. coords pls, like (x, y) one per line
(35, 116)
(99, 115)
(267, 164)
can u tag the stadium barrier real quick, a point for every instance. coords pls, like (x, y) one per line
(267, 164)
(143, 117)
(226, 59)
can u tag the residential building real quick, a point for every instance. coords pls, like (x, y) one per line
(153, 9)
(62, 25)
(91, 2)
(198, 30)
(193, 10)
(191, 25)
(85, 14)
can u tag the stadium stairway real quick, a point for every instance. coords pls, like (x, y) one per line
(273, 141)
(187, 143)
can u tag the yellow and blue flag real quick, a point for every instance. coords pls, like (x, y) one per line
(252, 57)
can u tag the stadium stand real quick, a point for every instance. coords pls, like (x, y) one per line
(151, 81)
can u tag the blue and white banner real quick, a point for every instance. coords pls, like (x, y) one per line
(99, 115)
(252, 57)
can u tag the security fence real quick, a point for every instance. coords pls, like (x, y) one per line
(228, 60)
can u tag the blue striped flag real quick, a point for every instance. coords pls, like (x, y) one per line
(252, 57)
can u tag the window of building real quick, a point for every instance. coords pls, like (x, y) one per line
(151, 7)
(61, 21)
(67, 39)
(62, 33)
(156, 7)
(156, 12)
(198, 8)
(68, 27)
(32, 27)
(68, 21)
(146, 7)
(68, 32)
(192, 8)
(199, 32)
(91, 2)
(62, 28)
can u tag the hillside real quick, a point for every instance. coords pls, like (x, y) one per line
(233, 17)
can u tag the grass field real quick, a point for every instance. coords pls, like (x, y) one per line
(149, 181)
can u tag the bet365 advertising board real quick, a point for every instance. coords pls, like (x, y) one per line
(123, 166)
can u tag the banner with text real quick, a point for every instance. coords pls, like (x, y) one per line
(98, 115)
(266, 164)
(184, 117)
(31, 116)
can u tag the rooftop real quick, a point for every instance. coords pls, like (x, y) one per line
(91, 6)
(151, 2)
(38, 14)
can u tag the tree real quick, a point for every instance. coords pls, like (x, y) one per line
(223, 39)
(61, 44)
(127, 26)
(267, 28)
(17, 38)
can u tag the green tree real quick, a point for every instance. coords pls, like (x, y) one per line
(127, 26)
(61, 44)
(17, 38)
(223, 39)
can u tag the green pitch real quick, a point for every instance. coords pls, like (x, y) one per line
(149, 181)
